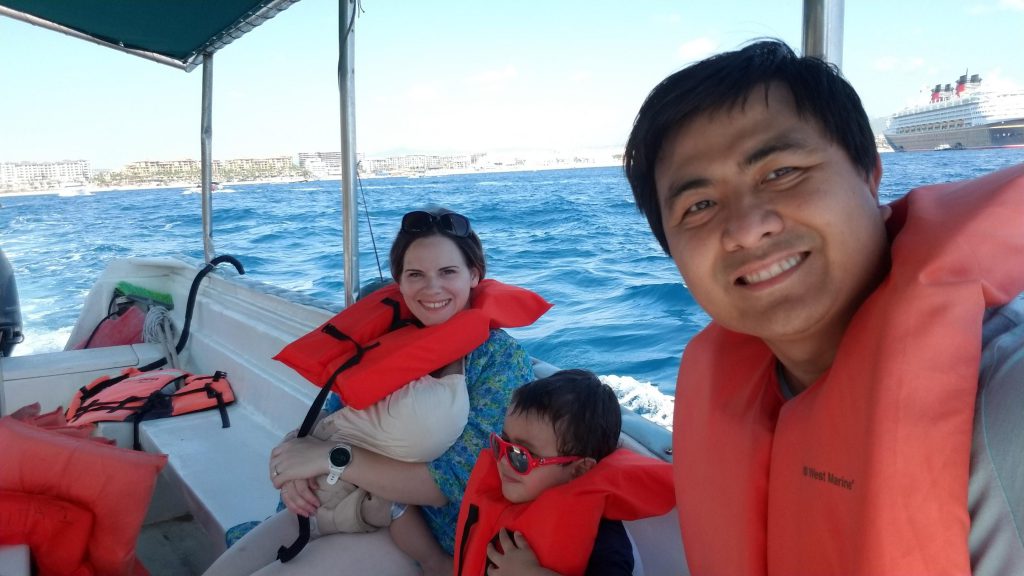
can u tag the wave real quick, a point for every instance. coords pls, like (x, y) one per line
(644, 398)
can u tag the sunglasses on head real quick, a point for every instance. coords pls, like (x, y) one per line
(520, 459)
(449, 223)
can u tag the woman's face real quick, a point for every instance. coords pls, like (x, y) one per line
(436, 281)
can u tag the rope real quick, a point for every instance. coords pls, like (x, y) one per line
(369, 225)
(159, 328)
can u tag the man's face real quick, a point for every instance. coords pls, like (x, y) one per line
(774, 230)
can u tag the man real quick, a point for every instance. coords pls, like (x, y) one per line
(855, 405)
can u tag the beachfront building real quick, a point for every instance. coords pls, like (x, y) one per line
(43, 175)
(416, 164)
(322, 165)
(223, 170)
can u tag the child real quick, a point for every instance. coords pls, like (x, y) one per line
(550, 494)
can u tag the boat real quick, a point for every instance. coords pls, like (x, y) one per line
(198, 188)
(960, 116)
(216, 478)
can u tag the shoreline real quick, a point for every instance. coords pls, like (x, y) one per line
(90, 189)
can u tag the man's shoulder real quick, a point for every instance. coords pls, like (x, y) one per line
(1001, 371)
(996, 490)
(1003, 321)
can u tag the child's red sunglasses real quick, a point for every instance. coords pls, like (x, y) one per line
(520, 459)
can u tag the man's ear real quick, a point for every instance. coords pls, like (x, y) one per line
(875, 180)
(581, 467)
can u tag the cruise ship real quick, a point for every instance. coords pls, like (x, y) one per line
(960, 116)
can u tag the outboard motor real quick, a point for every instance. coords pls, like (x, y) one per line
(10, 309)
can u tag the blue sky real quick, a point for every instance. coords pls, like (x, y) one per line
(459, 76)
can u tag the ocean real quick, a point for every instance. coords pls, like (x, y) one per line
(573, 235)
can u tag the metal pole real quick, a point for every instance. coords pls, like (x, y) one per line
(347, 89)
(823, 30)
(206, 153)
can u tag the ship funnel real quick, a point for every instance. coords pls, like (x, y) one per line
(975, 78)
(962, 80)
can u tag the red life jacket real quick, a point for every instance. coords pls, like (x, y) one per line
(384, 348)
(561, 524)
(866, 471)
(136, 396)
(78, 504)
(56, 531)
(125, 328)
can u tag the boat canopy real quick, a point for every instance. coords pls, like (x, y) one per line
(173, 32)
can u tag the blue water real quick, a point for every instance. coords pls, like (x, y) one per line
(574, 236)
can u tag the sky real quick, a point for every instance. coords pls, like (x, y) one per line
(460, 76)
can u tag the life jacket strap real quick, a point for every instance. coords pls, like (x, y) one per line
(471, 517)
(286, 553)
(94, 388)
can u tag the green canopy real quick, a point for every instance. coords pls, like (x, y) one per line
(173, 32)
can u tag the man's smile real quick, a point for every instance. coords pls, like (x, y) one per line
(772, 270)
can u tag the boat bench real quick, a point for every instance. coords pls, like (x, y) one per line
(52, 378)
(217, 475)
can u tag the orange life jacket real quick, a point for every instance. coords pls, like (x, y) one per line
(383, 348)
(866, 471)
(66, 483)
(561, 524)
(136, 396)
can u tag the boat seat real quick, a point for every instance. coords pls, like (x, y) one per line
(217, 475)
(52, 378)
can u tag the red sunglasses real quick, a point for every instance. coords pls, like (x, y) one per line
(520, 458)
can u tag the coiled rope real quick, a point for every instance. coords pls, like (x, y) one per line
(158, 328)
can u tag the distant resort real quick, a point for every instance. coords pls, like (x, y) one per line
(71, 177)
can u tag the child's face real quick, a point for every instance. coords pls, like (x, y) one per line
(537, 435)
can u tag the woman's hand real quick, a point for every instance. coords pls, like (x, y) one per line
(298, 459)
(299, 498)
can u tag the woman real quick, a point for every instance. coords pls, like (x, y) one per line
(437, 260)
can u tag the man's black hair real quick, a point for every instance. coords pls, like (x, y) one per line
(727, 80)
(583, 410)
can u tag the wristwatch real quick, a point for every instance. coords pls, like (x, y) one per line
(339, 458)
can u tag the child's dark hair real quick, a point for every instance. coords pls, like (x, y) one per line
(583, 410)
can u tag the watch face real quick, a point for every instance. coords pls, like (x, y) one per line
(340, 456)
